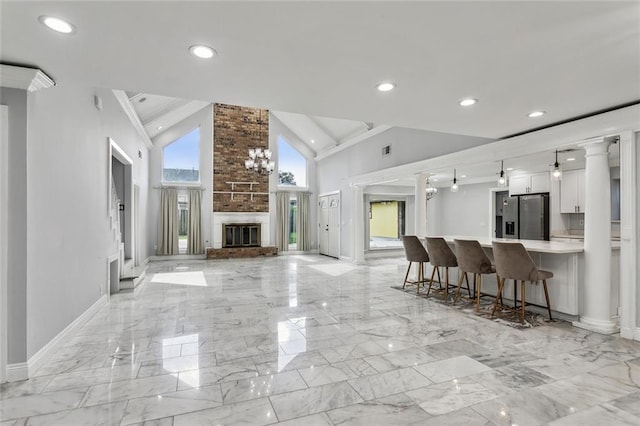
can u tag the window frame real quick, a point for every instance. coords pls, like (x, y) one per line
(292, 188)
(182, 183)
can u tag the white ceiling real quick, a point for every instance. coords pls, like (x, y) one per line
(158, 113)
(324, 58)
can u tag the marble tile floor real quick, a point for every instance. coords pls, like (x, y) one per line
(309, 340)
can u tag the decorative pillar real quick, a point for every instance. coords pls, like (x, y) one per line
(595, 312)
(357, 230)
(629, 163)
(421, 205)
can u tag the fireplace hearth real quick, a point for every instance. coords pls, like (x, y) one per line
(240, 235)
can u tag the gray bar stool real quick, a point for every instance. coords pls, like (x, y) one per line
(415, 252)
(513, 262)
(440, 255)
(472, 259)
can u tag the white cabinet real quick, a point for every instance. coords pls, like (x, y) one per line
(529, 184)
(572, 192)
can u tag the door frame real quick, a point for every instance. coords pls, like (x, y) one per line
(4, 243)
(115, 151)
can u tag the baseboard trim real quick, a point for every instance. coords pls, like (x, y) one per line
(17, 372)
(36, 361)
(178, 257)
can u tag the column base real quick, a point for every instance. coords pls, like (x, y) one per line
(597, 326)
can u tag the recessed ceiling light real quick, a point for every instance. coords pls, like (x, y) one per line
(313, 141)
(535, 114)
(159, 127)
(386, 86)
(201, 51)
(463, 176)
(57, 24)
(435, 179)
(509, 169)
(571, 159)
(468, 102)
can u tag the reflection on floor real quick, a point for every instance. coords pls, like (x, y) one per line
(279, 340)
(383, 242)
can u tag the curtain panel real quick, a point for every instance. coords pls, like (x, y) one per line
(194, 231)
(168, 222)
(282, 221)
(304, 221)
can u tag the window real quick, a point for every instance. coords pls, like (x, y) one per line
(181, 159)
(293, 222)
(292, 166)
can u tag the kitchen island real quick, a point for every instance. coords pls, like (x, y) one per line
(566, 261)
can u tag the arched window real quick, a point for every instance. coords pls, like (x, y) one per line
(292, 166)
(181, 159)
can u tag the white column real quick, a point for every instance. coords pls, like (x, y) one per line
(421, 205)
(357, 230)
(595, 312)
(629, 163)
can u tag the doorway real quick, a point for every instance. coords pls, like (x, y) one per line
(121, 184)
(386, 224)
(329, 224)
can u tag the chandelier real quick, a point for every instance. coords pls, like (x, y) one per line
(431, 190)
(260, 159)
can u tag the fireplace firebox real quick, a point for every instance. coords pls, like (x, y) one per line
(241, 235)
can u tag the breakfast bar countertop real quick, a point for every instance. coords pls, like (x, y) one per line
(536, 246)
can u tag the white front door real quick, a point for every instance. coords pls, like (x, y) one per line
(323, 225)
(334, 225)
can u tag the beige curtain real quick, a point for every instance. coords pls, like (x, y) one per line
(168, 222)
(304, 221)
(282, 221)
(194, 231)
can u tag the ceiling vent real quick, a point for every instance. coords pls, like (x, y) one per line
(386, 150)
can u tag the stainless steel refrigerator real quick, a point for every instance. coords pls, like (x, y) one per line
(526, 217)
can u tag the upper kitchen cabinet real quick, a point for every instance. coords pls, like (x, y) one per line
(572, 192)
(529, 184)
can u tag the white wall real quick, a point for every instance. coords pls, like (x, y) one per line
(69, 237)
(637, 166)
(16, 100)
(464, 213)
(204, 120)
(407, 146)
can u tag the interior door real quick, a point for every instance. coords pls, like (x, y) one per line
(334, 226)
(323, 225)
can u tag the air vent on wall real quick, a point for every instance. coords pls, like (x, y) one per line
(386, 150)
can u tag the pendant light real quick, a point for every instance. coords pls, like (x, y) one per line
(502, 180)
(557, 173)
(454, 185)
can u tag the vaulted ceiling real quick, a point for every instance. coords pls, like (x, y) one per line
(325, 58)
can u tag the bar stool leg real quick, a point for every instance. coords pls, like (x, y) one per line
(406, 276)
(433, 272)
(446, 279)
(478, 293)
(466, 278)
(457, 295)
(420, 279)
(546, 295)
(498, 296)
(439, 280)
(523, 303)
